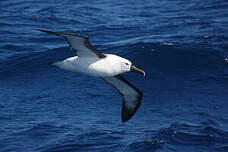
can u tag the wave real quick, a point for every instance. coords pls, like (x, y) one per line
(88, 141)
(182, 136)
(24, 63)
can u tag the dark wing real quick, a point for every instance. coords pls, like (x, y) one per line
(79, 43)
(131, 95)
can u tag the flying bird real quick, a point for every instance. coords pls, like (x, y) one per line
(90, 61)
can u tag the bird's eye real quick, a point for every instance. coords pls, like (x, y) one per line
(126, 64)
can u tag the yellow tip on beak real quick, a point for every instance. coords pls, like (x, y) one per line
(133, 68)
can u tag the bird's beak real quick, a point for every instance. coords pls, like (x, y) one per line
(133, 68)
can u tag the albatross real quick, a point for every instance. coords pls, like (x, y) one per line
(90, 61)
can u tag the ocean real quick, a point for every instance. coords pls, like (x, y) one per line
(181, 45)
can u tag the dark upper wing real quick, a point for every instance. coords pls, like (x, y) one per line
(79, 43)
(131, 95)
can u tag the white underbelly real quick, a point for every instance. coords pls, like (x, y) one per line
(88, 66)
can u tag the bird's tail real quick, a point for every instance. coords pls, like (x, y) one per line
(53, 63)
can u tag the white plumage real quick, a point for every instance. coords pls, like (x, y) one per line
(111, 65)
(91, 62)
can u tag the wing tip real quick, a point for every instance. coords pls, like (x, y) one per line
(127, 114)
(62, 33)
(47, 31)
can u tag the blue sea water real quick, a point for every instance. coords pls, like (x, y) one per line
(182, 46)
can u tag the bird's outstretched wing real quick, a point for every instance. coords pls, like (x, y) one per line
(131, 95)
(80, 43)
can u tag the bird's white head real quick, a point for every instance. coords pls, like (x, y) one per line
(127, 66)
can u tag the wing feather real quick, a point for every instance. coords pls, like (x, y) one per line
(80, 43)
(131, 96)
